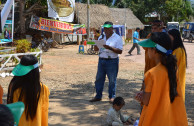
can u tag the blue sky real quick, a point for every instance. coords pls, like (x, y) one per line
(192, 1)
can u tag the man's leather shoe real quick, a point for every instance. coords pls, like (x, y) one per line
(95, 100)
(111, 100)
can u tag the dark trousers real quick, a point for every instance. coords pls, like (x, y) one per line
(133, 47)
(109, 68)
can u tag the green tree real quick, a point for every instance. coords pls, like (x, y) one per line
(105, 2)
(177, 10)
(28, 8)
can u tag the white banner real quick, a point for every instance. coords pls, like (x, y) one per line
(62, 9)
(5, 12)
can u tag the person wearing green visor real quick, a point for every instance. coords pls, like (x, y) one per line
(108, 62)
(27, 88)
(161, 96)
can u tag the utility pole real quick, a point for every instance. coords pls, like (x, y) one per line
(88, 19)
(125, 22)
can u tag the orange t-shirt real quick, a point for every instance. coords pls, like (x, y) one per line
(41, 118)
(181, 63)
(160, 111)
(1, 95)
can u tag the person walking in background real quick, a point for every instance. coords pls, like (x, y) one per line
(26, 87)
(108, 62)
(161, 96)
(157, 26)
(135, 40)
(181, 55)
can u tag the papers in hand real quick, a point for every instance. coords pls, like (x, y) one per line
(100, 43)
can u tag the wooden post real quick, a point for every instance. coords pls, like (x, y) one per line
(78, 41)
(88, 19)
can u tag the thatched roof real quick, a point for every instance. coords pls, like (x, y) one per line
(122, 15)
(98, 14)
(101, 13)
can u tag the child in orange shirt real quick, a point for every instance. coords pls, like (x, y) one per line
(161, 96)
(26, 87)
(180, 52)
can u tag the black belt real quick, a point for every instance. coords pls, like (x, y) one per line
(108, 58)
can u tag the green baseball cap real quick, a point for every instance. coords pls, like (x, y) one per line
(107, 25)
(147, 43)
(21, 70)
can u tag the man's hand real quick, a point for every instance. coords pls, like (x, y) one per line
(108, 47)
(96, 48)
(115, 50)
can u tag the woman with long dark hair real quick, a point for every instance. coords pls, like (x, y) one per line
(162, 97)
(181, 55)
(26, 87)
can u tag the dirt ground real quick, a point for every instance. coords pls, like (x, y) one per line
(70, 77)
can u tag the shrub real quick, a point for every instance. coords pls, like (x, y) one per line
(23, 46)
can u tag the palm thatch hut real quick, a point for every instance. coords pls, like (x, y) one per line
(124, 16)
(98, 14)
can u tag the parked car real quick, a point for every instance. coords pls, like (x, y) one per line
(172, 25)
(188, 31)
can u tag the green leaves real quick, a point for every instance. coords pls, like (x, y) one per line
(23, 46)
(169, 10)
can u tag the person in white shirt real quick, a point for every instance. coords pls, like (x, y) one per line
(114, 116)
(108, 62)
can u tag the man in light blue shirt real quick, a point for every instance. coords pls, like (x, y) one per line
(135, 41)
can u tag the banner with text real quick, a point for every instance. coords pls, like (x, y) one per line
(56, 26)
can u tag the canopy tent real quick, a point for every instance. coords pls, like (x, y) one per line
(119, 29)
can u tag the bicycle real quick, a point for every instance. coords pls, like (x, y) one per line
(45, 44)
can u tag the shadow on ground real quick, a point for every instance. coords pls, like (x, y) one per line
(81, 111)
(190, 103)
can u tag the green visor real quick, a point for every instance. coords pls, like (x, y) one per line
(147, 43)
(21, 70)
(107, 25)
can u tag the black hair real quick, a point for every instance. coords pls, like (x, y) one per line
(137, 28)
(108, 22)
(177, 43)
(29, 85)
(169, 61)
(118, 101)
(157, 23)
(6, 117)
